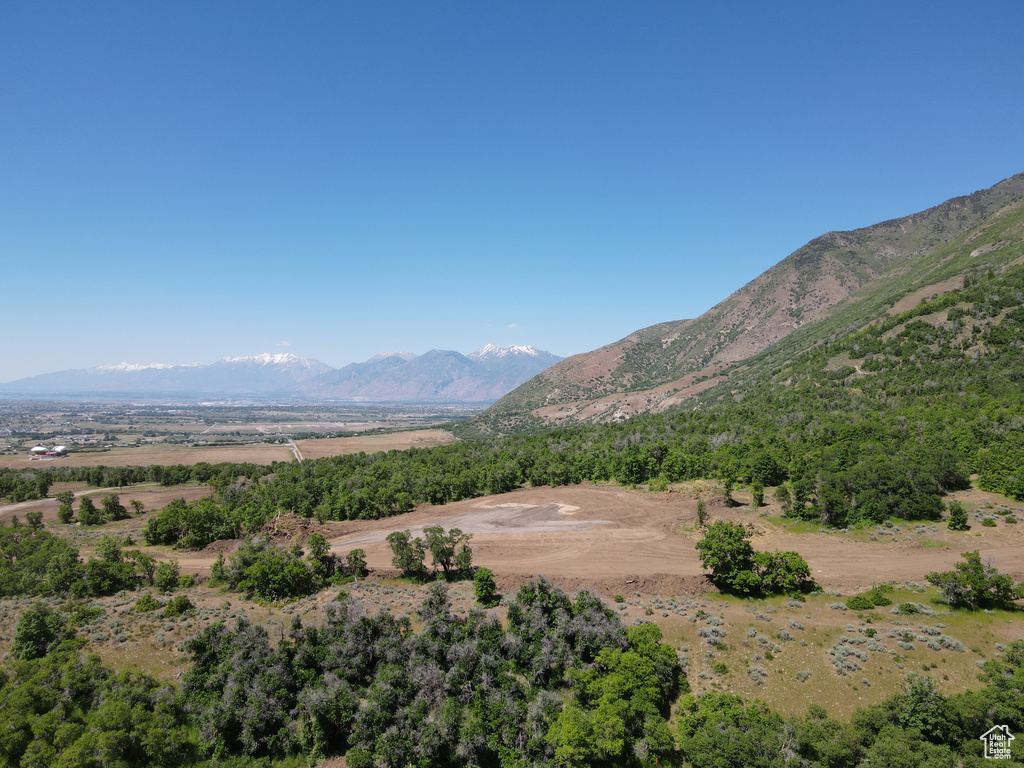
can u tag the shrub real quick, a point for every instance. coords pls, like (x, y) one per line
(860, 603)
(146, 603)
(165, 578)
(957, 517)
(178, 605)
(974, 584)
(485, 589)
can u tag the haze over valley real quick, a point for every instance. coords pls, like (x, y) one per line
(437, 376)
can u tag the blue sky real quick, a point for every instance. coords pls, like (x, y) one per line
(184, 181)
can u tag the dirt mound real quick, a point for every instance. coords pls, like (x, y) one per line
(288, 528)
(222, 546)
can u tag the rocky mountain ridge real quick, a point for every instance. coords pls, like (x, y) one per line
(836, 283)
(438, 375)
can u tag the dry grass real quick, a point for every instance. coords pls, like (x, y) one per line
(162, 455)
(339, 446)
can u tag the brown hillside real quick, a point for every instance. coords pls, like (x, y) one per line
(835, 283)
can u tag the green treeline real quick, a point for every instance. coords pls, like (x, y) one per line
(565, 684)
(35, 562)
(18, 485)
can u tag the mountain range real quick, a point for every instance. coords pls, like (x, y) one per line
(836, 284)
(437, 376)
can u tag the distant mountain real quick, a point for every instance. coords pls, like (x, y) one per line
(483, 376)
(438, 375)
(835, 284)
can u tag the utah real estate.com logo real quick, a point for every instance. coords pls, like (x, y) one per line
(997, 742)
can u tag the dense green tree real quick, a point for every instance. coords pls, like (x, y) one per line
(720, 730)
(65, 513)
(484, 588)
(191, 525)
(112, 508)
(973, 584)
(355, 563)
(145, 564)
(322, 561)
(66, 710)
(87, 512)
(444, 546)
(702, 513)
(756, 494)
(261, 570)
(725, 551)
(28, 558)
(38, 630)
(736, 567)
(408, 553)
(782, 572)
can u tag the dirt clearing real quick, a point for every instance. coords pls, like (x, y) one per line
(617, 536)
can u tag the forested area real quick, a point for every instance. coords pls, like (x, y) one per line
(37, 562)
(564, 684)
(28, 485)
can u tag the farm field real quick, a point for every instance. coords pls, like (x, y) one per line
(339, 446)
(634, 549)
(144, 434)
(253, 453)
(161, 455)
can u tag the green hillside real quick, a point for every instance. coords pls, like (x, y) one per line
(835, 284)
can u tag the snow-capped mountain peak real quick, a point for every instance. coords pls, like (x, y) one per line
(265, 358)
(494, 352)
(128, 367)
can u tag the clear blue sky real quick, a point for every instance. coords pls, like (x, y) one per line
(181, 181)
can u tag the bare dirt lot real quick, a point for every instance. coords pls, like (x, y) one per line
(612, 538)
